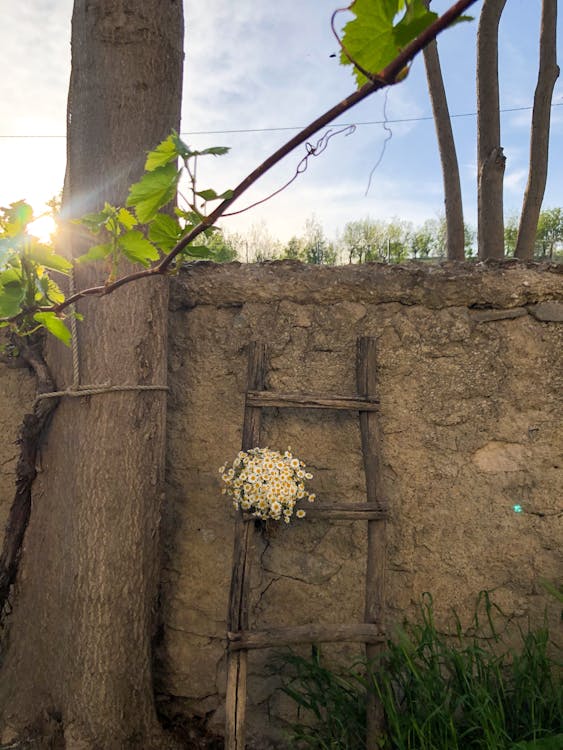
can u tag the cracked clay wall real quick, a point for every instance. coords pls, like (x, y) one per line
(470, 375)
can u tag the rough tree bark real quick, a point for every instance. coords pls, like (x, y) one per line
(455, 235)
(490, 156)
(79, 650)
(539, 137)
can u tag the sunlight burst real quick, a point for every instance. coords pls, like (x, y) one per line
(43, 228)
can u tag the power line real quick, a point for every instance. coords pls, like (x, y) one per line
(300, 127)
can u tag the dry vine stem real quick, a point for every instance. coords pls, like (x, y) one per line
(387, 77)
(33, 427)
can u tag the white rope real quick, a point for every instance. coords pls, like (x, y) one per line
(94, 390)
(76, 390)
(74, 336)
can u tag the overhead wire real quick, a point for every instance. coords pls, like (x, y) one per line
(395, 121)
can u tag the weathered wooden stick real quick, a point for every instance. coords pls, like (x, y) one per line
(346, 512)
(235, 701)
(338, 512)
(376, 546)
(312, 633)
(310, 401)
(235, 712)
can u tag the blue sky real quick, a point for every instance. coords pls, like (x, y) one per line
(255, 65)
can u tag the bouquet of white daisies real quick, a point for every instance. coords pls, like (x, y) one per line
(267, 484)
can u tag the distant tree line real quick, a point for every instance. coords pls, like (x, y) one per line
(385, 241)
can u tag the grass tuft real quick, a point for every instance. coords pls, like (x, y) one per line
(439, 692)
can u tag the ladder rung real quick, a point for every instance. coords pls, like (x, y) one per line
(314, 633)
(340, 512)
(310, 401)
(348, 512)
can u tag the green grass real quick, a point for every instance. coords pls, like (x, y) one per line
(439, 692)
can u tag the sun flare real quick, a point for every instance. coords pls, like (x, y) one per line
(43, 228)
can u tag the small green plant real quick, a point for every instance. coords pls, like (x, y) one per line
(468, 691)
(334, 705)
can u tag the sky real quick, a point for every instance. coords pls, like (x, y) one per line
(268, 68)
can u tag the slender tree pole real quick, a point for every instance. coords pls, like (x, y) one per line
(490, 155)
(455, 235)
(539, 136)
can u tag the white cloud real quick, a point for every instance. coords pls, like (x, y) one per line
(257, 65)
(515, 180)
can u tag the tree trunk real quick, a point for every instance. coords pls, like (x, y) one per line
(455, 236)
(490, 156)
(80, 634)
(539, 136)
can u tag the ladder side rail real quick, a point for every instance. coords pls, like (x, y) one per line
(237, 661)
(376, 534)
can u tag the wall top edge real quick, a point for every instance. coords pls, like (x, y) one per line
(497, 285)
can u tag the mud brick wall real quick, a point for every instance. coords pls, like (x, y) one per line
(470, 375)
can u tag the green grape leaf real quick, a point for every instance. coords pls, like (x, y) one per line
(48, 258)
(415, 20)
(43, 285)
(54, 325)
(165, 232)
(15, 218)
(462, 19)
(374, 40)
(213, 150)
(182, 148)
(153, 191)
(10, 276)
(6, 251)
(126, 218)
(23, 213)
(137, 249)
(211, 195)
(95, 221)
(11, 293)
(197, 251)
(168, 150)
(54, 293)
(191, 217)
(164, 153)
(97, 252)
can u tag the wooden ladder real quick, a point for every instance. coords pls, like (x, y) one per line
(374, 511)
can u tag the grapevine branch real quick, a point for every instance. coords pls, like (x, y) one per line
(386, 77)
